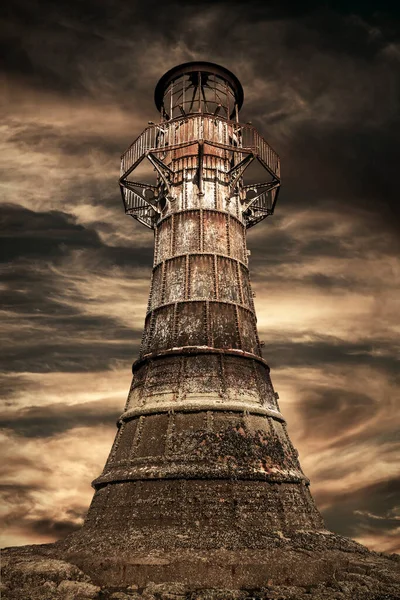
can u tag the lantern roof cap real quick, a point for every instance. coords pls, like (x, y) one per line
(193, 67)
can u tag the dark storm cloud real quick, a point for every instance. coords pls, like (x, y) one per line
(73, 144)
(357, 165)
(367, 510)
(321, 58)
(38, 421)
(49, 235)
(346, 408)
(19, 497)
(58, 529)
(68, 357)
(31, 234)
(329, 351)
(44, 331)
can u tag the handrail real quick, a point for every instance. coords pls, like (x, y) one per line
(208, 128)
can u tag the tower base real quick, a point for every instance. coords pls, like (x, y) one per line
(317, 565)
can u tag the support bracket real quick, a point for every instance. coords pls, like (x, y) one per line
(238, 170)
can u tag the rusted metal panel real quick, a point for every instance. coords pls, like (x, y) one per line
(187, 232)
(156, 287)
(237, 249)
(214, 233)
(202, 281)
(190, 324)
(223, 326)
(239, 378)
(164, 238)
(153, 437)
(189, 422)
(247, 293)
(162, 376)
(248, 331)
(202, 374)
(175, 279)
(228, 285)
(162, 335)
(126, 437)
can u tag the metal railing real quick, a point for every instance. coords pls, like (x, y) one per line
(138, 208)
(188, 130)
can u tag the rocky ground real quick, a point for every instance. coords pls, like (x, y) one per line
(40, 573)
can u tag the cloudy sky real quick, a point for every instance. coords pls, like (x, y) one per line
(321, 83)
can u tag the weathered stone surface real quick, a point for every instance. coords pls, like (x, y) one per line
(38, 573)
(281, 573)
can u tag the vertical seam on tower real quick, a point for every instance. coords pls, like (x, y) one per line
(188, 290)
(155, 259)
(223, 392)
(138, 436)
(151, 330)
(174, 326)
(254, 318)
(183, 499)
(214, 165)
(117, 441)
(172, 240)
(207, 322)
(178, 387)
(238, 332)
(258, 384)
(149, 303)
(182, 381)
(186, 276)
(201, 230)
(215, 270)
(228, 234)
(244, 245)
(143, 391)
(185, 188)
(240, 282)
(170, 432)
(210, 420)
(163, 279)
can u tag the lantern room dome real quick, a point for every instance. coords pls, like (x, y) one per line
(198, 87)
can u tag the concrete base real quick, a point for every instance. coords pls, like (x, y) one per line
(320, 566)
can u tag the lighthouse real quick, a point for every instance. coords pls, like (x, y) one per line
(202, 458)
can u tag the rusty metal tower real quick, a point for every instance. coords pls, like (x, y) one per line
(202, 458)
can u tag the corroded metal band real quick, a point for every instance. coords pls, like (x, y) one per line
(198, 253)
(206, 209)
(199, 300)
(192, 350)
(201, 406)
(184, 471)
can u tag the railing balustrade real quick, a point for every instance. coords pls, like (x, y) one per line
(178, 132)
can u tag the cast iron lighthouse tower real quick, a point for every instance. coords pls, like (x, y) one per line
(202, 496)
(202, 458)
